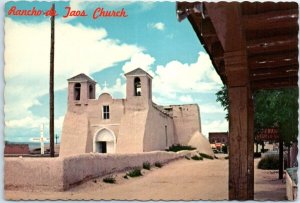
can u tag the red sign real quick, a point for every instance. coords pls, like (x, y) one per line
(268, 134)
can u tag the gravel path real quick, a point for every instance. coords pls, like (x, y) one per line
(178, 180)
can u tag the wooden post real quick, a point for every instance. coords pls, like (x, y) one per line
(280, 174)
(227, 21)
(241, 133)
(241, 169)
(51, 86)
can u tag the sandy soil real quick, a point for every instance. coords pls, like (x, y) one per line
(179, 180)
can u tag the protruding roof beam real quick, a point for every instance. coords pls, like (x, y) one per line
(272, 44)
(270, 20)
(273, 60)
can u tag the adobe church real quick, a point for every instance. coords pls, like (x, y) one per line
(130, 125)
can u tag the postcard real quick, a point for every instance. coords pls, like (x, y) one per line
(129, 100)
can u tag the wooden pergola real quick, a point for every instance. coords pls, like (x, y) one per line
(252, 46)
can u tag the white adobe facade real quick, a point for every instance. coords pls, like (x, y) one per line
(130, 125)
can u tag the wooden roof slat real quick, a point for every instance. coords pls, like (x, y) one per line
(273, 60)
(262, 7)
(272, 44)
(275, 83)
(278, 70)
(272, 75)
(270, 20)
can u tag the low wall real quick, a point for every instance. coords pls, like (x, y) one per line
(33, 173)
(63, 172)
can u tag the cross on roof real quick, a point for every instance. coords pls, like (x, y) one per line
(105, 86)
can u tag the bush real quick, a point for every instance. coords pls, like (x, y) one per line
(224, 149)
(206, 156)
(158, 164)
(146, 165)
(109, 179)
(197, 157)
(176, 148)
(269, 163)
(134, 173)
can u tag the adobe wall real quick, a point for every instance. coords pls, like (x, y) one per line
(159, 131)
(186, 121)
(33, 173)
(131, 138)
(116, 111)
(55, 174)
(74, 134)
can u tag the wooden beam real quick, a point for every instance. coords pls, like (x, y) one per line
(277, 70)
(272, 75)
(274, 60)
(276, 83)
(272, 44)
(270, 20)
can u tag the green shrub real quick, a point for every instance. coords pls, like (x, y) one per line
(224, 149)
(134, 173)
(206, 156)
(109, 179)
(195, 157)
(158, 164)
(146, 165)
(176, 148)
(269, 163)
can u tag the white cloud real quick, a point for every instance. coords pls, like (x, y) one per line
(158, 26)
(211, 108)
(139, 60)
(29, 122)
(214, 126)
(186, 99)
(177, 77)
(77, 49)
(117, 88)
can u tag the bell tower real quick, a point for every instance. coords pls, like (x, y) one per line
(81, 88)
(139, 87)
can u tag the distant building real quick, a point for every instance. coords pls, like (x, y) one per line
(16, 149)
(218, 137)
(130, 125)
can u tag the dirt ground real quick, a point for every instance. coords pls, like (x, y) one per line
(178, 180)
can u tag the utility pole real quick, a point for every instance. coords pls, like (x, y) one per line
(51, 88)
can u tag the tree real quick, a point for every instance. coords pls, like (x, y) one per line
(222, 97)
(273, 108)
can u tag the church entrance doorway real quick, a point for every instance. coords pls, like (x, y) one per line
(101, 147)
(104, 141)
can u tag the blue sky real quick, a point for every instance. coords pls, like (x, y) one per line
(104, 48)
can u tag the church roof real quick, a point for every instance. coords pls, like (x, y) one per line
(138, 72)
(81, 78)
